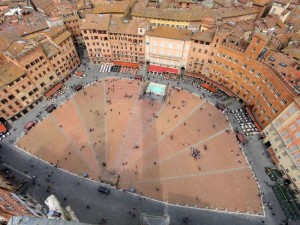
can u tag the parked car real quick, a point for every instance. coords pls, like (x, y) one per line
(104, 190)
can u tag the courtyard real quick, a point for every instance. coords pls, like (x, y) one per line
(106, 126)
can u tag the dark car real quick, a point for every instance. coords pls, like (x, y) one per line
(104, 190)
(50, 108)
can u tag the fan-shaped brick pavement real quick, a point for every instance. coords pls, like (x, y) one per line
(106, 126)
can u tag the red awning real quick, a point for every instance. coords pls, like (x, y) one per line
(250, 113)
(29, 125)
(273, 156)
(138, 77)
(209, 87)
(161, 69)
(2, 128)
(223, 88)
(240, 137)
(53, 90)
(196, 75)
(126, 64)
(258, 126)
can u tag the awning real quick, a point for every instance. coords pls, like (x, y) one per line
(29, 125)
(203, 78)
(273, 156)
(126, 64)
(223, 88)
(196, 75)
(209, 87)
(161, 69)
(53, 90)
(250, 113)
(138, 77)
(220, 106)
(257, 126)
(240, 137)
(2, 128)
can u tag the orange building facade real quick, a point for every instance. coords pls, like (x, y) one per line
(32, 66)
(109, 38)
(242, 70)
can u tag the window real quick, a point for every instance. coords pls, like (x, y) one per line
(275, 110)
(4, 101)
(258, 88)
(297, 134)
(23, 98)
(252, 83)
(245, 66)
(288, 141)
(294, 148)
(11, 97)
(293, 127)
(283, 101)
(267, 118)
(258, 75)
(236, 61)
(257, 42)
(271, 59)
(265, 80)
(277, 95)
(277, 123)
(282, 64)
(292, 110)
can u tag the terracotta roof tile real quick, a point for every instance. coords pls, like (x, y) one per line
(10, 72)
(206, 36)
(49, 49)
(170, 32)
(114, 7)
(95, 22)
(131, 27)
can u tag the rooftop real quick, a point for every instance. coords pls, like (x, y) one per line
(170, 32)
(131, 27)
(95, 22)
(10, 72)
(206, 36)
(114, 7)
(196, 13)
(49, 49)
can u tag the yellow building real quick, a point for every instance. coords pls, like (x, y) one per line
(283, 139)
(279, 8)
(167, 46)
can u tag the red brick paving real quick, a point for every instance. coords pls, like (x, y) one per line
(161, 166)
